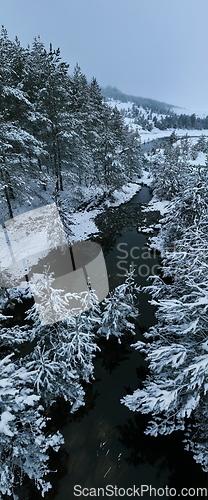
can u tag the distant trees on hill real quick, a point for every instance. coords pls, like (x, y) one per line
(152, 104)
(149, 113)
(165, 121)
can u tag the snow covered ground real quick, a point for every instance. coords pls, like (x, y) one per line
(83, 223)
(156, 205)
(156, 133)
(124, 194)
(159, 134)
(120, 105)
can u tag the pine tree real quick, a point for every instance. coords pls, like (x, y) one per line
(119, 309)
(64, 352)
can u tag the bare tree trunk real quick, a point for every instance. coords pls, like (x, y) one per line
(6, 192)
(55, 158)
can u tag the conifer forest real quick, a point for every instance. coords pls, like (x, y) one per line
(95, 152)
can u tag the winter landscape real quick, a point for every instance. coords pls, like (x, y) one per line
(104, 285)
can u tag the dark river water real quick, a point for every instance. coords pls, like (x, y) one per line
(105, 442)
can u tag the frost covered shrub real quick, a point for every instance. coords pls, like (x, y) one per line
(119, 309)
(24, 446)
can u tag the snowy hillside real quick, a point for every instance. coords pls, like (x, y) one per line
(146, 128)
(155, 120)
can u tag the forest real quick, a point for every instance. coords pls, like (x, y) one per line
(175, 391)
(61, 142)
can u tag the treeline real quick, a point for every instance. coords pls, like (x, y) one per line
(167, 120)
(58, 141)
(174, 394)
(181, 121)
(145, 102)
(56, 133)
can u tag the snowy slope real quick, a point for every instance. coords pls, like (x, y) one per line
(155, 133)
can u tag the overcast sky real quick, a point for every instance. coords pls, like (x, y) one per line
(149, 48)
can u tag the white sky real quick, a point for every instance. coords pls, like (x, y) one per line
(150, 48)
